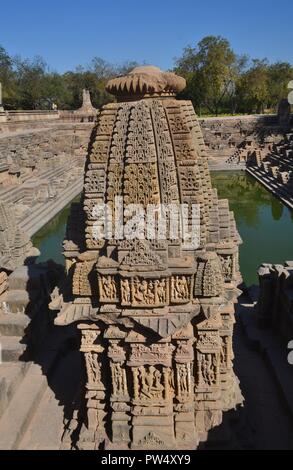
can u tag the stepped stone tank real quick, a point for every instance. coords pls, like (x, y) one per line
(155, 316)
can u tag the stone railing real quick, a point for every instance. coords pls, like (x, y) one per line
(3, 116)
(11, 121)
(31, 115)
(78, 116)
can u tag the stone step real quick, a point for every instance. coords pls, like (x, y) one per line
(11, 348)
(53, 172)
(18, 414)
(17, 301)
(44, 208)
(10, 192)
(273, 185)
(11, 375)
(15, 194)
(24, 413)
(13, 324)
(45, 430)
(48, 210)
(275, 351)
(47, 425)
(282, 161)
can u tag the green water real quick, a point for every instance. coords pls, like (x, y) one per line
(50, 238)
(264, 223)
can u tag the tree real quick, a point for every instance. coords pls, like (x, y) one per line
(7, 78)
(279, 75)
(253, 87)
(81, 78)
(30, 81)
(54, 90)
(101, 68)
(218, 80)
(126, 67)
(211, 71)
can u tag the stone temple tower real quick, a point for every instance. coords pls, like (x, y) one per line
(155, 316)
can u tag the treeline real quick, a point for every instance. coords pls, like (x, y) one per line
(30, 84)
(218, 80)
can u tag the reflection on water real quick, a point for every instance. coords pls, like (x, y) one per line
(264, 223)
(50, 238)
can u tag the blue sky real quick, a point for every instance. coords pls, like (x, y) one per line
(67, 33)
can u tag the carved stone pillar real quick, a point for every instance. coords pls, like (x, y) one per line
(152, 402)
(229, 384)
(119, 400)
(93, 431)
(208, 402)
(185, 431)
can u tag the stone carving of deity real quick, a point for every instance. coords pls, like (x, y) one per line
(93, 368)
(125, 291)
(209, 368)
(118, 380)
(161, 290)
(180, 290)
(150, 383)
(226, 267)
(108, 288)
(143, 292)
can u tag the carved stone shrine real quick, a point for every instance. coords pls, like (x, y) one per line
(155, 317)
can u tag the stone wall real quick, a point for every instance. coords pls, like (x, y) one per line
(230, 141)
(275, 303)
(11, 121)
(18, 121)
(41, 170)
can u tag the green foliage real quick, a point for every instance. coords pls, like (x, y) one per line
(211, 70)
(253, 87)
(29, 84)
(279, 75)
(218, 80)
(7, 77)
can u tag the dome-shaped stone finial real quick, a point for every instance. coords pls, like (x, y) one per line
(146, 81)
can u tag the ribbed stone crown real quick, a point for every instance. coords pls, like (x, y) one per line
(146, 81)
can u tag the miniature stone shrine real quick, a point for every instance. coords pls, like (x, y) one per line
(155, 317)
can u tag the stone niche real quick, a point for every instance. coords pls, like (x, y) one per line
(155, 317)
